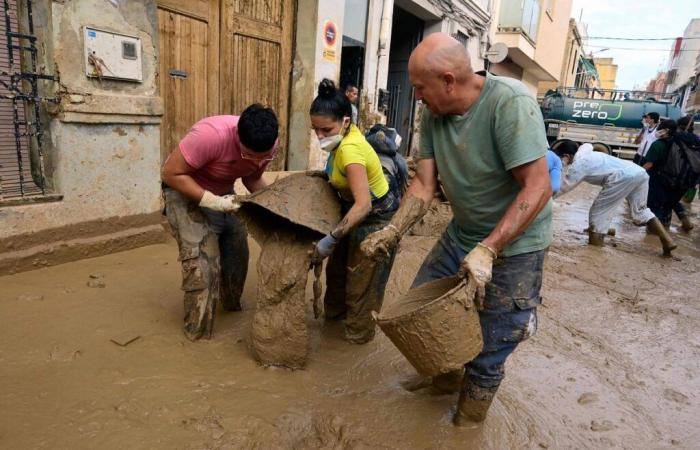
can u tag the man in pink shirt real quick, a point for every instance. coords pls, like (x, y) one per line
(198, 179)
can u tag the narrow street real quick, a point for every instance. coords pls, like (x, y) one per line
(615, 362)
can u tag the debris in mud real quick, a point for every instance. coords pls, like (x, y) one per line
(587, 397)
(675, 396)
(125, 338)
(96, 281)
(603, 425)
(30, 298)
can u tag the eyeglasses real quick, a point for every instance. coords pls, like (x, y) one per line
(268, 157)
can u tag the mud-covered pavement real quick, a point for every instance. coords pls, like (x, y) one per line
(615, 362)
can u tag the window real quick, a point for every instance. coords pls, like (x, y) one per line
(462, 38)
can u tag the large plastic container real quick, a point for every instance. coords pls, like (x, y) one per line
(435, 326)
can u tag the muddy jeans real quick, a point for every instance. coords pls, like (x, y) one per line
(664, 200)
(510, 307)
(213, 251)
(355, 284)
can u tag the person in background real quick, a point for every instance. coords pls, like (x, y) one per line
(646, 137)
(664, 194)
(355, 284)
(554, 166)
(685, 130)
(352, 93)
(620, 180)
(198, 179)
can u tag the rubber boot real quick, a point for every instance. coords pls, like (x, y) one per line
(666, 241)
(597, 239)
(473, 404)
(686, 224)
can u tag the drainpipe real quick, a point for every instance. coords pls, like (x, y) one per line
(384, 39)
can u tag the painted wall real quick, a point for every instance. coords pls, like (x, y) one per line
(551, 37)
(103, 140)
(607, 70)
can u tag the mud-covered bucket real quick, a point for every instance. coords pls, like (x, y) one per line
(435, 326)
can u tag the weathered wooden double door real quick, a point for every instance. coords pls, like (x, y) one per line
(219, 56)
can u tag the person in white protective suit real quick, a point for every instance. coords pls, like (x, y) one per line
(619, 179)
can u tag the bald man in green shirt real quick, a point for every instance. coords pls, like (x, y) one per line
(484, 136)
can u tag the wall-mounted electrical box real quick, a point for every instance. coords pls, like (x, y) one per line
(111, 55)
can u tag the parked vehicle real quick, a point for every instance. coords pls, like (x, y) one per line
(612, 118)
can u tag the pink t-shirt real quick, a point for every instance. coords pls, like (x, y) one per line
(213, 148)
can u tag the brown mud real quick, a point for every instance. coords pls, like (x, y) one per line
(615, 362)
(279, 333)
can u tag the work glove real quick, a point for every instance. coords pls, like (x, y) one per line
(379, 244)
(477, 265)
(226, 203)
(324, 248)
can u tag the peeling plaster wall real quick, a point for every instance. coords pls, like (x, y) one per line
(102, 139)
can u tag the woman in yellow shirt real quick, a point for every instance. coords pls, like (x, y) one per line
(355, 284)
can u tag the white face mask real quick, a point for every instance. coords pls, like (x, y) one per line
(330, 143)
(660, 134)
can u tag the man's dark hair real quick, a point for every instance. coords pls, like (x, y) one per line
(654, 116)
(258, 128)
(330, 102)
(669, 125)
(350, 86)
(566, 148)
(686, 123)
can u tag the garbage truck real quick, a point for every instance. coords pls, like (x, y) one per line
(610, 118)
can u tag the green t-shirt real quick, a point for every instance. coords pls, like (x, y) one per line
(657, 152)
(474, 154)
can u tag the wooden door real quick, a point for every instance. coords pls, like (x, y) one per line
(189, 53)
(256, 59)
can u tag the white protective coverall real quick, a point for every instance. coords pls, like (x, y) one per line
(620, 180)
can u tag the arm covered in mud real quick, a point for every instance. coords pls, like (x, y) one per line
(414, 205)
(361, 207)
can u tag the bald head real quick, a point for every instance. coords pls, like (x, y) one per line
(440, 53)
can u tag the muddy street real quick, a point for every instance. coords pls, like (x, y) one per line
(615, 362)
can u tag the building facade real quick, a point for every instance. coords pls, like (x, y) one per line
(535, 33)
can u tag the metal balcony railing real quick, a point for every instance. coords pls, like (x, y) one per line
(520, 15)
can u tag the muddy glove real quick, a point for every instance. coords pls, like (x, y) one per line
(324, 248)
(226, 203)
(478, 264)
(379, 244)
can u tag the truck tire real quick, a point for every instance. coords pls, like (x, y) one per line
(602, 148)
(558, 142)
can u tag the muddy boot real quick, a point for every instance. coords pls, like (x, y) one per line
(686, 224)
(666, 242)
(448, 383)
(473, 404)
(597, 239)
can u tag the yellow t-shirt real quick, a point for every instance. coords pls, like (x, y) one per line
(354, 149)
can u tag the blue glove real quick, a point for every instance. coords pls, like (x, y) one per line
(325, 247)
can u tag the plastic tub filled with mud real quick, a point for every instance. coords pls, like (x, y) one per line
(435, 326)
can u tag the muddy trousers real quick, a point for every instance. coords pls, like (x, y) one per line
(663, 200)
(213, 252)
(355, 284)
(510, 308)
(635, 189)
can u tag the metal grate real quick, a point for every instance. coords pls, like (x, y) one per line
(21, 131)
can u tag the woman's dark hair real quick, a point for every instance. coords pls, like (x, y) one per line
(258, 128)
(669, 125)
(566, 148)
(330, 102)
